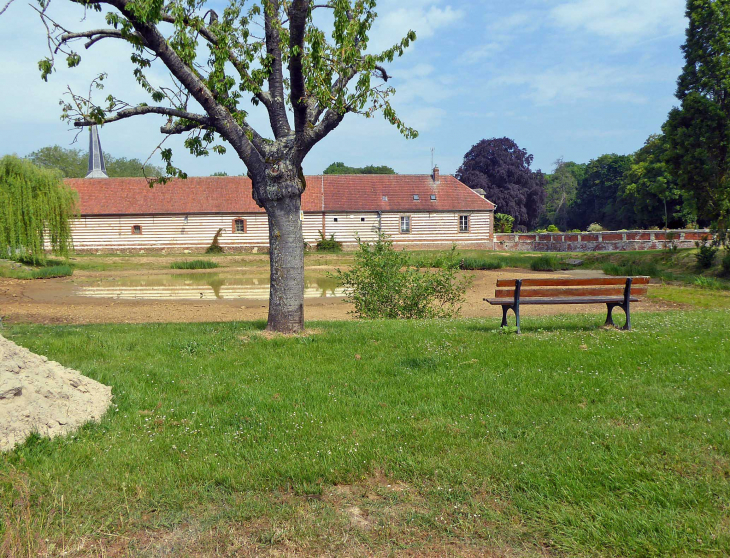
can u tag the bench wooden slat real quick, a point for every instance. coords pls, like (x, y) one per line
(568, 292)
(570, 281)
(581, 300)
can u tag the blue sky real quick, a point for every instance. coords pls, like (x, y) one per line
(563, 78)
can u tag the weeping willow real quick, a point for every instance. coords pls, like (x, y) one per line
(35, 209)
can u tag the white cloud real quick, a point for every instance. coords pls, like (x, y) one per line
(628, 21)
(480, 53)
(425, 18)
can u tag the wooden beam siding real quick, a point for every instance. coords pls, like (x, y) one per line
(171, 232)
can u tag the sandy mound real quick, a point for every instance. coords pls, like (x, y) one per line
(39, 395)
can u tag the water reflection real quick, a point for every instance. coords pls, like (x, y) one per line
(199, 286)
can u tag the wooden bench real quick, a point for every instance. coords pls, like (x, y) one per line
(611, 291)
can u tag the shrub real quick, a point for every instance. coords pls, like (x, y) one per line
(632, 269)
(480, 263)
(575, 230)
(382, 284)
(711, 283)
(706, 254)
(194, 264)
(545, 263)
(503, 223)
(595, 227)
(553, 229)
(328, 244)
(215, 247)
(725, 263)
(540, 231)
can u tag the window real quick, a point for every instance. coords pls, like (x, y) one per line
(463, 223)
(239, 226)
(405, 224)
(136, 229)
(416, 197)
(433, 197)
(385, 198)
(335, 219)
(362, 219)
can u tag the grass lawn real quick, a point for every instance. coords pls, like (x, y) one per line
(386, 437)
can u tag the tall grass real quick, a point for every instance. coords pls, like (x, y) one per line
(194, 264)
(632, 269)
(546, 262)
(47, 272)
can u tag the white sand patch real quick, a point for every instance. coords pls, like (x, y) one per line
(39, 395)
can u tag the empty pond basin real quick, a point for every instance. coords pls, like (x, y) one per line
(198, 286)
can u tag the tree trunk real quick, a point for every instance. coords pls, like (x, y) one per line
(286, 246)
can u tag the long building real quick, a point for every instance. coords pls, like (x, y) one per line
(419, 211)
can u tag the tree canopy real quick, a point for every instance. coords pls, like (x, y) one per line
(342, 168)
(35, 209)
(598, 197)
(698, 132)
(560, 191)
(502, 169)
(74, 163)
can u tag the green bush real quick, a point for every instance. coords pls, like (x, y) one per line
(711, 283)
(328, 244)
(706, 254)
(503, 223)
(553, 229)
(632, 269)
(382, 284)
(545, 263)
(480, 263)
(725, 263)
(194, 264)
(595, 227)
(575, 230)
(215, 247)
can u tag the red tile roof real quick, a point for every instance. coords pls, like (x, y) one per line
(229, 194)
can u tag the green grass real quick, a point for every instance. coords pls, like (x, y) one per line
(26, 272)
(476, 263)
(546, 262)
(568, 439)
(632, 269)
(194, 264)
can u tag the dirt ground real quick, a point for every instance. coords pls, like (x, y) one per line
(52, 301)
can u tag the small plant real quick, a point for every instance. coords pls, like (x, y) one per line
(480, 263)
(382, 284)
(540, 231)
(632, 269)
(725, 263)
(706, 254)
(545, 263)
(328, 244)
(503, 223)
(575, 230)
(670, 244)
(215, 247)
(595, 227)
(194, 264)
(711, 283)
(553, 229)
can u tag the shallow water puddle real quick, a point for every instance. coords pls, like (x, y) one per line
(198, 286)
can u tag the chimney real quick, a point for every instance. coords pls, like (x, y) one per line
(435, 175)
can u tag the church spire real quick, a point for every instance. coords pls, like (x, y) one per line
(97, 168)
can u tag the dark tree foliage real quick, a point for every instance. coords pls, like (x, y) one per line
(341, 168)
(500, 168)
(598, 199)
(560, 189)
(74, 163)
(698, 132)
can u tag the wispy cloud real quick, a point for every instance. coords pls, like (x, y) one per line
(425, 18)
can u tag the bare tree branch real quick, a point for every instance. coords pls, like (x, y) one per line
(137, 111)
(277, 108)
(298, 21)
(6, 7)
(95, 35)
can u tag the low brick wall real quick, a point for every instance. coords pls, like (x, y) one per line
(608, 241)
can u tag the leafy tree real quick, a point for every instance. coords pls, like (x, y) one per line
(560, 190)
(219, 173)
(650, 191)
(74, 163)
(35, 208)
(342, 168)
(500, 168)
(598, 198)
(266, 52)
(698, 132)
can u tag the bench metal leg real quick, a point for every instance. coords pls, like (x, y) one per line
(627, 310)
(516, 310)
(504, 315)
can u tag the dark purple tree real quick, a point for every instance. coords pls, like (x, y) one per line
(500, 168)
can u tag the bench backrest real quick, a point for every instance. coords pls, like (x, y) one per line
(573, 288)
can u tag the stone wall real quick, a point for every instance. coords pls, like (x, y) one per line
(608, 241)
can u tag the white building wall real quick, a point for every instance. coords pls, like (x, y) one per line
(172, 232)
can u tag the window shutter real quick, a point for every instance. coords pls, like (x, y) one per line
(233, 226)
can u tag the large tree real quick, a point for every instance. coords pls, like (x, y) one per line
(502, 169)
(74, 163)
(35, 209)
(650, 191)
(598, 198)
(268, 53)
(698, 132)
(560, 189)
